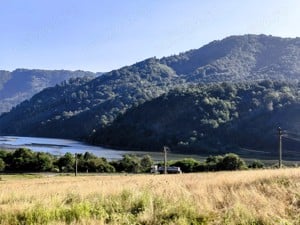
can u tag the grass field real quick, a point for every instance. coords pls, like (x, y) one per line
(242, 197)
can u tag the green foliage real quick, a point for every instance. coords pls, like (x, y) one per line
(187, 165)
(214, 163)
(3, 154)
(130, 163)
(22, 160)
(228, 161)
(133, 164)
(99, 165)
(2, 165)
(88, 162)
(212, 117)
(146, 163)
(88, 155)
(257, 164)
(25, 160)
(66, 163)
(44, 161)
(216, 159)
(232, 162)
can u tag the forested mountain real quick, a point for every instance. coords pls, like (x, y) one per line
(200, 119)
(21, 84)
(74, 110)
(80, 108)
(240, 58)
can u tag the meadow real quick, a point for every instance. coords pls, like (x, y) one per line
(255, 197)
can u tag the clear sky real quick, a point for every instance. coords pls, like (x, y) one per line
(101, 35)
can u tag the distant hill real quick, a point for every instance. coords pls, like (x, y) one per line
(82, 108)
(22, 84)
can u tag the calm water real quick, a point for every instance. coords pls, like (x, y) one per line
(58, 146)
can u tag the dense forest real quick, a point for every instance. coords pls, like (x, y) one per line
(199, 119)
(198, 116)
(22, 84)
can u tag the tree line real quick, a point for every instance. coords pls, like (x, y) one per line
(26, 160)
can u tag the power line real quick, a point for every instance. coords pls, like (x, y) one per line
(291, 138)
(291, 133)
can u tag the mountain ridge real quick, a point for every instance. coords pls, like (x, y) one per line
(88, 106)
(21, 84)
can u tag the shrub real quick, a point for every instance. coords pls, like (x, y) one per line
(2, 165)
(232, 162)
(187, 165)
(146, 163)
(66, 162)
(257, 164)
(130, 163)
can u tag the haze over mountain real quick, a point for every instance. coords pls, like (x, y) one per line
(22, 84)
(79, 109)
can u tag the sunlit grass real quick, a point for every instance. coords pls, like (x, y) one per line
(244, 197)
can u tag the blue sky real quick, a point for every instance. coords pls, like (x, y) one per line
(101, 35)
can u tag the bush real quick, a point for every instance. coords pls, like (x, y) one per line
(43, 162)
(257, 164)
(214, 163)
(130, 163)
(2, 165)
(187, 165)
(99, 165)
(229, 161)
(146, 163)
(21, 160)
(133, 164)
(232, 162)
(66, 163)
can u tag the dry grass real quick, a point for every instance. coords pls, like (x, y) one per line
(243, 197)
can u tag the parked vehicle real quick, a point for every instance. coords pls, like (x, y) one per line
(161, 169)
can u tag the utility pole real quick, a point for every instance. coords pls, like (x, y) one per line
(280, 147)
(165, 159)
(76, 164)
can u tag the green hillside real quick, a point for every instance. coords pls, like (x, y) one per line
(75, 109)
(80, 108)
(22, 84)
(219, 117)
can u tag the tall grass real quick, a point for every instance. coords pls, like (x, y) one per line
(260, 197)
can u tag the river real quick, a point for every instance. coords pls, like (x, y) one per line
(57, 146)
